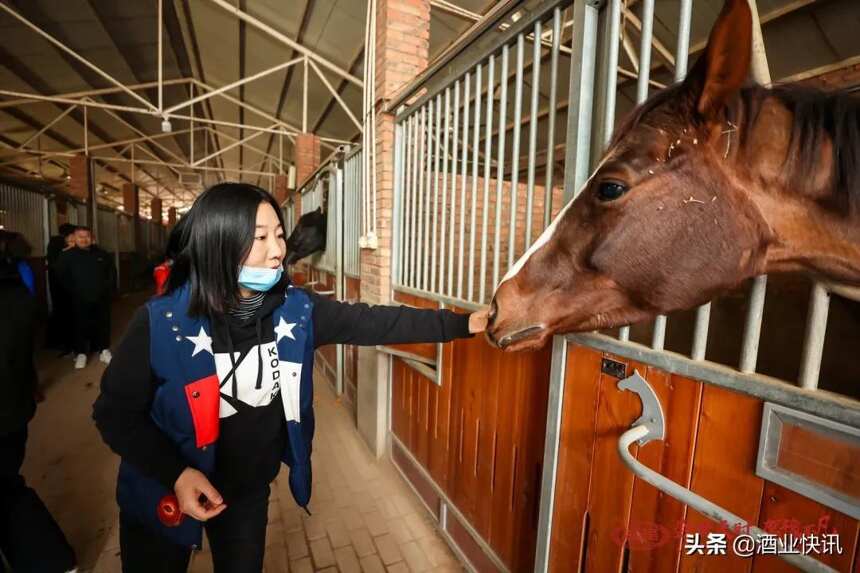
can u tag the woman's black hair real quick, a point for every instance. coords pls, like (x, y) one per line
(216, 236)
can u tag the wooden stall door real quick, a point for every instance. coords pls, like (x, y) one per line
(605, 519)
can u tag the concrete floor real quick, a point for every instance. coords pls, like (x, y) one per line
(365, 518)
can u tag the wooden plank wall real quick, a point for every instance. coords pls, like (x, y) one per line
(605, 519)
(480, 436)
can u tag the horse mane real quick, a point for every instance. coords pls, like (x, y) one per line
(817, 116)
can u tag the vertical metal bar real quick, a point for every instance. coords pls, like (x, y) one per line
(397, 241)
(533, 125)
(435, 242)
(305, 100)
(450, 288)
(463, 168)
(813, 344)
(553, 97)
(659, 334)
(752, 327)
(515, 147)
(577, 147)
(416, 196)
(426, 246)
(447, 137)
(338, 264)
(500, 166)
(755, 311)
(407, 202)
(475, 156)
(420, 197)
(488, 136)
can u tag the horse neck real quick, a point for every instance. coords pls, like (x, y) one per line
(813, 225)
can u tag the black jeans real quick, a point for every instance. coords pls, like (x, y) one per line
(237, 539)
(30, 539)
(92, 326)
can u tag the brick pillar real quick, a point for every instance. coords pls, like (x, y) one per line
(281, 188)
(171, 216)
(402, 52)
(307, 156)
(130, 200)
(79, 177)
(155, 211)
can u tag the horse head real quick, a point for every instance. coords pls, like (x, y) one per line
(697, 192)
(307, 237)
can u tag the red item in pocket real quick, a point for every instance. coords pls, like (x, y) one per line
(204, 397)
(168, 511)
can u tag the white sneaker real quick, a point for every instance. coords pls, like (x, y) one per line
(105, 356)
(80, 361)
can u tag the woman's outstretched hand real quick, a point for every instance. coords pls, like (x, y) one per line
(189, 488)
(478, 320)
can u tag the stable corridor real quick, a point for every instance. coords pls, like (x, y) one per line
(365, 517)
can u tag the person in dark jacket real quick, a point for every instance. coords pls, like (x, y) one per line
(30, 539)
(87, 273)
(225, 360)
(60, 331)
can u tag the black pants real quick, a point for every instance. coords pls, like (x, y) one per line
(237, 538)
(92, 325)
(30, 539)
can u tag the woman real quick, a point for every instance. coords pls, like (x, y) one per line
(30, 539)
(224, 361)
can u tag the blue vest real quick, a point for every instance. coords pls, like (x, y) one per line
(187, 401)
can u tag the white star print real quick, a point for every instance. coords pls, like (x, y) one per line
(201, 342)
(283, 329)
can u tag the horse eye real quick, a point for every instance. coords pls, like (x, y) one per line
(609, 191)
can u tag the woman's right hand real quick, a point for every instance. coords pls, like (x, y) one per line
(189, 488)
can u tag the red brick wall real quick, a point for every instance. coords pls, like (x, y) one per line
(155, 209)
(402, 52)
(131, 199)
(307, 156)
(79, 177)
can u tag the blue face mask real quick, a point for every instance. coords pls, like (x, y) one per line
(259, 279)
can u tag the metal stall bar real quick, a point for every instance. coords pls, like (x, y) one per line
(463, 167)
(438, 141)
(500, 164)
(406, 130)
(553, 99)
(416, 152)
(454, 141)
(488, 133)
(755, 311)
(813, 344)
(445, 141)
(475, 156)
(533, 125)
(431, 143)
(577, 157)
(515, 147)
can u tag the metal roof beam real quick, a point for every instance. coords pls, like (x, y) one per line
(304, 50)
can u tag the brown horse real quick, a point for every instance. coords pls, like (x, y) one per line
(707, 184)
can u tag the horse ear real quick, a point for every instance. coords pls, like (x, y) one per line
(723, 68)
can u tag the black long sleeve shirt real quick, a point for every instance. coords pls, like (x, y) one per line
(252, 436)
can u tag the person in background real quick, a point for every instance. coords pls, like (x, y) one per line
(30, 539)
(88, 274)
(60, 330)
(174, 246)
